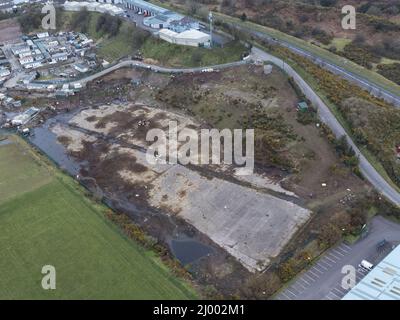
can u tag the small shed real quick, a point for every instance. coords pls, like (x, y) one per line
(302, 106)
(267, 69)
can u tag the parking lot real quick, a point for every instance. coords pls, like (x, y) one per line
(323, 280)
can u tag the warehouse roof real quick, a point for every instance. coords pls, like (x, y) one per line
(168, 32)
(382, 283)
(192, 34)
(147, 6)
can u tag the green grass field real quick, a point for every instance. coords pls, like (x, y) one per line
(46, 220)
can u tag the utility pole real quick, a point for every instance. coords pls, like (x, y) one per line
(211, 19)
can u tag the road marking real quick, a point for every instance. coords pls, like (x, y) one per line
(343, 250)
(340, 292)
(291, 289)
(338, 252)
(361, 273)
(324, 262)
(335, 295)
(336, 257)
(316, 269)
(331, 260)
(294, 295)
(309, 277)
(323, 267)
(286, 296)
(302, 279)
(314, 274)
(346, 246)
(297, 283)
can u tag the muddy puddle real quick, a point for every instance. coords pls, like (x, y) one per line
(44, 139)
(186, 246)
(189, 251)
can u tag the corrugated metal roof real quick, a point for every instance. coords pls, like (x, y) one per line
(382, 283)
(147, 6)
(192, 34)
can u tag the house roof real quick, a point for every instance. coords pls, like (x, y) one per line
(192, 34)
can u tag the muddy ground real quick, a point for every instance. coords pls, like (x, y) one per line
(10, 31)
(252, 225)
(305, 171)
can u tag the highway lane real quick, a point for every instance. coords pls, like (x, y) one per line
(329, 119)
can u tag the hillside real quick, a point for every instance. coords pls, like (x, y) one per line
(117, 38)
(375, 44)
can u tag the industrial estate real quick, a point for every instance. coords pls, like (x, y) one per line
(86, 100)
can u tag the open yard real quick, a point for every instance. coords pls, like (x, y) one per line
(46, 220)
(10, 31)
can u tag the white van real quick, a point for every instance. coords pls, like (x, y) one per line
(366, 265)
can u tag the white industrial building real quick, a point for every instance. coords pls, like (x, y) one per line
(193, 38)
(93, 6)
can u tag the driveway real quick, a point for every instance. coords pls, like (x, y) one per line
(323, 280)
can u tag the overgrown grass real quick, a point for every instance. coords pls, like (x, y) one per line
(174, 55)
(338, 115)
(338, 43)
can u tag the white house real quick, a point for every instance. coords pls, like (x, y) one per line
(26, 60)
(81, 68)
(25, 54)
(42, 35)
(4, 72)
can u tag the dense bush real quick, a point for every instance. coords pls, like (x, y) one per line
(30, 20)
(390, 71)
(108, 24)
(360, 54)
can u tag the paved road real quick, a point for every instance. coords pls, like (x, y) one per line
(362, 82)
(328, 118)
(139, 64)
(323, 280)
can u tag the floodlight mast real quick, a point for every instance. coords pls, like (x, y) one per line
(211, 19)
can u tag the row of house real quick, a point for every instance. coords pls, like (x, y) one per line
(4, 67)
(43, 49)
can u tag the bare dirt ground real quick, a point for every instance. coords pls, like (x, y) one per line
(249, 224)
(10, 31)
(284, 204)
